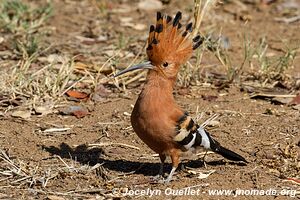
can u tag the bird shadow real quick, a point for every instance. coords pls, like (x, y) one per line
(92, 156)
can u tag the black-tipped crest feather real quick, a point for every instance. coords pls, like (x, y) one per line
(179, 26)
(195, 46)
(159, 28)
(151, 28)
(166, 39)
(177, 18)
(154, 41)
(197, 38)
(189, 27)
(184, 33)
(169, 18)
(158, 16)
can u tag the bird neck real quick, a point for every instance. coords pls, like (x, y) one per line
(156, 100)
(158, 87)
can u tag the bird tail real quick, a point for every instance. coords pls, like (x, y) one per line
(190, 135)
(230, 155)
(216, 147)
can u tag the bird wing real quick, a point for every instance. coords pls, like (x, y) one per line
(190, 135)
(186, 130)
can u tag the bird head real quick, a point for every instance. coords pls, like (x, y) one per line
(169, 46)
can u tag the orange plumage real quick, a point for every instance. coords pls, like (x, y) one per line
(156, 118)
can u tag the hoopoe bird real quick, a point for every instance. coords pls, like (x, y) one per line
(156, 118)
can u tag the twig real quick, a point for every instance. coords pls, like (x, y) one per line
(111, 144)
(212, 118)
(50, 130)
(273, 95)
(288, 20)
(63, 162)
(204, 153)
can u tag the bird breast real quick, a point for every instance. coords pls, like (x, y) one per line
(154, 122)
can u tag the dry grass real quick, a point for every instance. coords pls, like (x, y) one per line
(271, 68)
(24, 24)
(37, 86)
(17, 173)
(37, 82)
(33, 76)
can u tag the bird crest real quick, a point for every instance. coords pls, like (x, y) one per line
(169, 46)
(168, 40)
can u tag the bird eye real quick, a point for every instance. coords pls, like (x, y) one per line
(165, 64)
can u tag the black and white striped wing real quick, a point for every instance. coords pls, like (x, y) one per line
(190, 134)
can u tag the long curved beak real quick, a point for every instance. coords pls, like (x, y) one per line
(145, 65)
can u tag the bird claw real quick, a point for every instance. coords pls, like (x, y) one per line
(158, 178)
(167, 180)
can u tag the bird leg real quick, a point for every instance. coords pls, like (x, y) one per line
(170, 175)
(175, 161)
(159, 177)
(162, 159)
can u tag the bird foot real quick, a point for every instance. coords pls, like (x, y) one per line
(157, 179)
(160, 179)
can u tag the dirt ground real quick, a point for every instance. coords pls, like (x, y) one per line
(99, 156)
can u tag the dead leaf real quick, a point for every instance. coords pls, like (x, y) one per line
(77, 111)
(296, 107)
(150, 5)
(43, 110)
(80, 113)
(201, 175)
(101, 93)
(206, 174)
(209, 97)
(77, 94)
(296, 100)
(102, 90)
(281, 100)
(81, 66)
(54, 197)
(24, 114)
